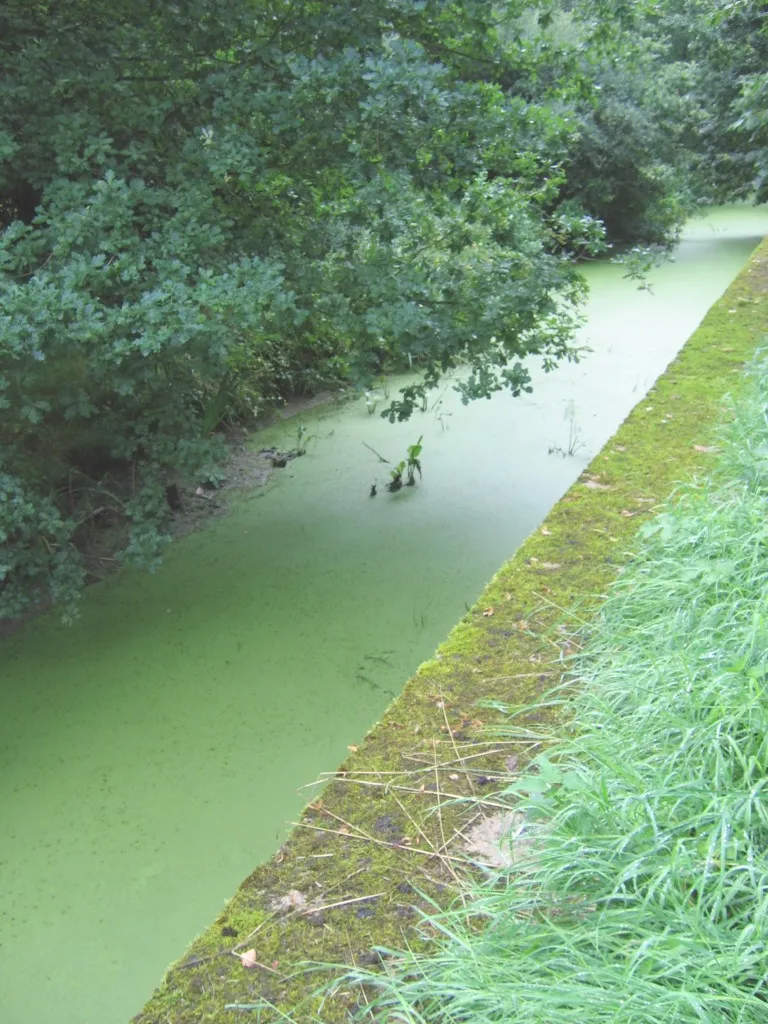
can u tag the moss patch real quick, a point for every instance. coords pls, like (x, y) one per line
(384, 834)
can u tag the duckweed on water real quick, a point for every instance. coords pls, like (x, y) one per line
(644, 895)
(385, 790)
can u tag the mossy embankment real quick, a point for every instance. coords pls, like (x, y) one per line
(381, 837)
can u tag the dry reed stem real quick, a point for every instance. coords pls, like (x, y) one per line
(520, 675)
(443, 765)
(378, 842)
(442, 847)
(453, 738)
(459, 832)
(389, 787)
(270, 917)
(342, 903)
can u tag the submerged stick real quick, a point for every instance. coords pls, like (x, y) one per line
(378, 455)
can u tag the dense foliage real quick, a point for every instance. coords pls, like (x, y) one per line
(724, 46)
(207, 207)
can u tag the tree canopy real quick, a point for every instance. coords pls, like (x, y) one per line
(206, 207)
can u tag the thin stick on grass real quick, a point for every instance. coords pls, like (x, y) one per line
(459, 833)
(462, 797)
(449, 865)
(416, 771)
(377, 842)
(461, 758)
(250, 935)
(453, 738)
(342, 903)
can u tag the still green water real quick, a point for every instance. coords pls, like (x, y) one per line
(152, 753)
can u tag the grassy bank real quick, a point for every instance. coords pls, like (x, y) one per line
(387, 833)
(640, 892)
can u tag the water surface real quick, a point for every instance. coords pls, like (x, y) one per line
(152, 753)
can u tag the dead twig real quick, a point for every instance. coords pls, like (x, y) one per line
(453, 739)
(377, 454)
(460, 760)
(389, 787)
(342, 903)
(377, 842)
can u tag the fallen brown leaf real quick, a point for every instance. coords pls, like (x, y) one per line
(595, 486)
(293, 900)
(488, 612)
(501, 840)
(708, 449)
(248, 958)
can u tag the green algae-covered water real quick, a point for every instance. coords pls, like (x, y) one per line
(152, 753)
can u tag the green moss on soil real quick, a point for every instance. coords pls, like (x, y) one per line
(371, 840)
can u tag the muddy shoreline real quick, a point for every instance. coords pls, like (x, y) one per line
(246, 468)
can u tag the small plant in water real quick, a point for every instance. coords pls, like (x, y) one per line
(574, 435)
(397, 476)
(413, 463)
(371, 401)
(408, 467)
(303, 437)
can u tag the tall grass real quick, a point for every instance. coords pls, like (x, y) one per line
(645, 899)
